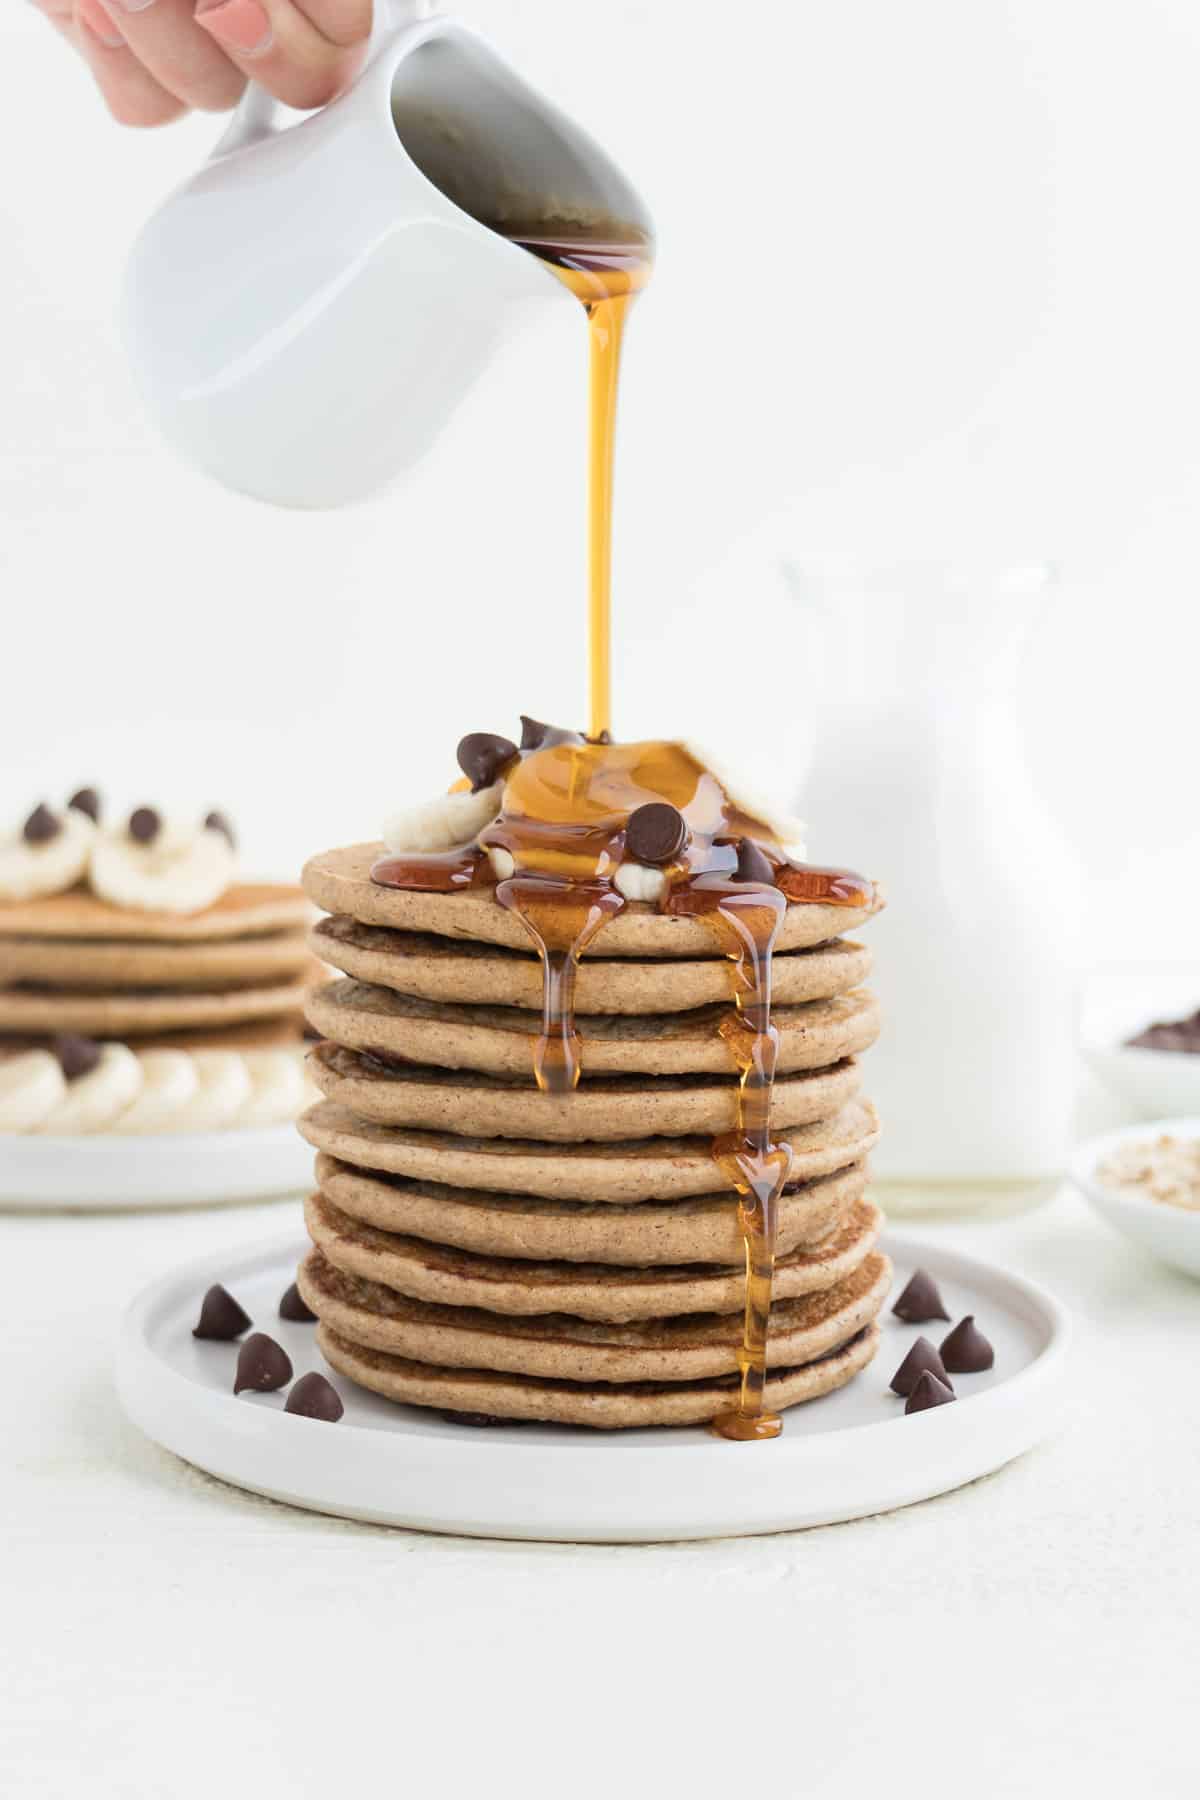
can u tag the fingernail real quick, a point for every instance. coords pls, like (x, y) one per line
(132, 5)
(240, 25)
(99, 23)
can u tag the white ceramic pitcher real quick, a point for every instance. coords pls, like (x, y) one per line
(307, 312)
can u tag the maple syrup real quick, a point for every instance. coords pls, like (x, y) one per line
(562, 829)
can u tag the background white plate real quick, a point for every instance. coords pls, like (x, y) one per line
(840, 1457)
(176, 1169)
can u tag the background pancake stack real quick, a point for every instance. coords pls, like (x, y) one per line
(484, 1248)
(233, 973)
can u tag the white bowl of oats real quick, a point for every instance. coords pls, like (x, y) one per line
(1146, 1183)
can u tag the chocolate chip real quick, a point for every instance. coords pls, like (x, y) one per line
(216, 821)
(221, 1317)
(965, 1350)
(262, 1365)
(929, 1391)
(144, 824)
(753, 865)
(76, 1055)
(86, 800)
(292, 1307)
(656, 832)
(535, 735)
(920, 1301)
(922, 1359)
(313, 1036)
(315, 1398)
(482, 755)
(41, 826)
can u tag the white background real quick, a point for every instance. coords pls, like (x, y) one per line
(928, 286)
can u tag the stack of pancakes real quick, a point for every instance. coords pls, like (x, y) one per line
(235, 971)
(486, 1249)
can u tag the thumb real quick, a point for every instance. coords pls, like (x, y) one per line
(305, 52)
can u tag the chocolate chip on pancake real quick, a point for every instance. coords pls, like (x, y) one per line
(656, 833)
(42, 826)
(535, 735)
(76, 1055)
(752, 864)
(86, 800)
(144, 824)
(483, 757)
(217, 821)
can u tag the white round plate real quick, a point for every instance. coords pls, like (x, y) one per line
(840, 1457)
(1171, 1233)
(175, 1169)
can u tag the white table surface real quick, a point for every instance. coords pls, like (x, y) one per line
(164, 1635)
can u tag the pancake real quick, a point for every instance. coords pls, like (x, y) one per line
(620, 1173)
(83, 964)
(33, 1010)
(457, 970)
(602, 1108)
(242, 911)
(600, 1405)
(499, 1040)
(340, 882)
(703, 1230)
(451, 1277)
(697, 1347)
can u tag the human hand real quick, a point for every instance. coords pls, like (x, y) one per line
(155, 59)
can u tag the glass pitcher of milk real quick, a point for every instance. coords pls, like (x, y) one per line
(919, 777)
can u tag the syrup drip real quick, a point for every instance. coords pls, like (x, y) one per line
(746, 920)
(606, 277)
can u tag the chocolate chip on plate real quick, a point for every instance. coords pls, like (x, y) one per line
(76, 1055)
(217, 821)
(86, 800)
(315, 1398)
(965, 1350)
(922, 1359)
(920, 1302)
(221, 1318)
(262, 1365)
(656, 832)
(482, 756)
(42, 826)
(753, 865)
(291, 1306)
(929, 1391)
(144, 824)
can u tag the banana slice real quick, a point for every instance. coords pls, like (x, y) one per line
(278, 1087)
(93, 1101)
(223, 1089)
(786, 829)
(169, 1084)
(444, 823)
(49, 866)
(179, 871)
(31, 1086)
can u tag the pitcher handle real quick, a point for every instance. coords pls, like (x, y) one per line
(256, 115)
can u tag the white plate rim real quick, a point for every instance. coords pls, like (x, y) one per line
(435, 1459)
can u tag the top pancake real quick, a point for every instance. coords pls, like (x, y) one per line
(242, 911)
(340, 882)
